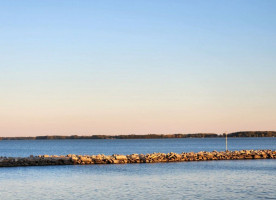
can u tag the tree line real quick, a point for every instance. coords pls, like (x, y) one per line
(149, 136)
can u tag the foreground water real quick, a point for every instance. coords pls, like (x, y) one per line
(245, 179)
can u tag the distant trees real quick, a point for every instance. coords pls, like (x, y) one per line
(149, 136)
(253, 134)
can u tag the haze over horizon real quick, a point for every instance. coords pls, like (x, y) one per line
(137, 67)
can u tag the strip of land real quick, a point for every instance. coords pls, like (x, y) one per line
(71, 159)
(149, 136)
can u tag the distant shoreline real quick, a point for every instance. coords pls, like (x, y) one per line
(149, 136)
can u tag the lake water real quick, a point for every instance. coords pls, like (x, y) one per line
(121, 146)
(239, 179)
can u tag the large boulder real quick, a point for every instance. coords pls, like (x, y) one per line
(120, 157)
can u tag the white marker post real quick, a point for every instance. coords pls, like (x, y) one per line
(226, 141)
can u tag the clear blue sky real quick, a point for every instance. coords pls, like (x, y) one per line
(136, 67)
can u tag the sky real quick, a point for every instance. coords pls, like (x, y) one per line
(137, 67)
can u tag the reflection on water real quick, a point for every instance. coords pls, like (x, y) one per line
(109, 147)
(248, 179)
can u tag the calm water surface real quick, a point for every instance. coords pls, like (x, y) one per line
(109, 147)
(245, 179)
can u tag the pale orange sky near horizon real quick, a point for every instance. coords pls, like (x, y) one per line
(151, 68)
(130, 117)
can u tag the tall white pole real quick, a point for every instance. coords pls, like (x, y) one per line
(226, 141)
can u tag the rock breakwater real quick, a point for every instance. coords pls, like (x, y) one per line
(72, 159)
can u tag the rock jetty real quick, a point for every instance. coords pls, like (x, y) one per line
(72, 159)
